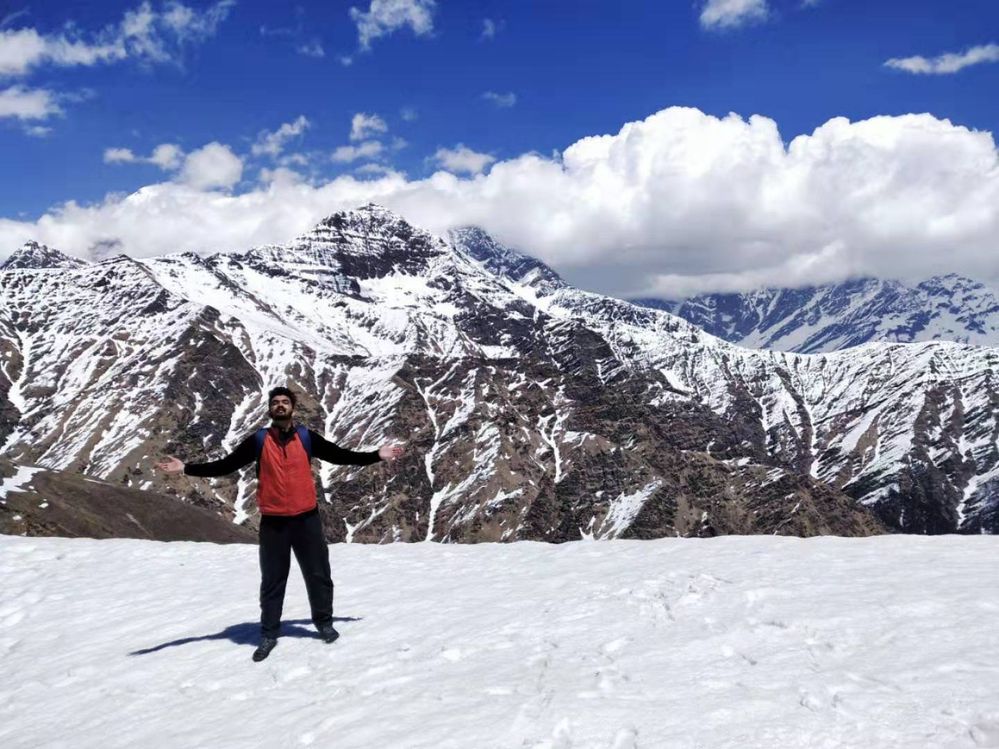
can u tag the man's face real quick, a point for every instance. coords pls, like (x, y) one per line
(280, 407)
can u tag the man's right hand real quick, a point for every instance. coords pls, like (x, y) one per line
(170, 464)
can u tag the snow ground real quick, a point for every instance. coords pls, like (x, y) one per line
(738, 641)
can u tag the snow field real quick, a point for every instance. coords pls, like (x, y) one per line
(737, 641)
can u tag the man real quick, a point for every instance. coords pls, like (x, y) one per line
(289, 514)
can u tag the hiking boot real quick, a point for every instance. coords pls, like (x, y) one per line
(264, 648)
(327, 632)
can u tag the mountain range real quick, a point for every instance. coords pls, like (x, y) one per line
(529, 409)
(819, 319)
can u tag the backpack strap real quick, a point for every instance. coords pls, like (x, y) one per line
(260, 436)
(305, 439)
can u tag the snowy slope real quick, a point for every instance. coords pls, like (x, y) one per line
(729, 643)
(836, 316)
(530, 409)
(848, 418)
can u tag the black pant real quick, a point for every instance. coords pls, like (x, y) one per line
(279, 536)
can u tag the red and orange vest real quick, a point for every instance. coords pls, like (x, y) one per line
(285, 485)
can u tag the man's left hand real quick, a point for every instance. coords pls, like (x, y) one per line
(390, 452)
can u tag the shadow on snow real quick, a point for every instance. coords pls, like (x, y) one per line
(248, 633)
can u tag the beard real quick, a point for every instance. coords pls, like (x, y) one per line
(280, 414)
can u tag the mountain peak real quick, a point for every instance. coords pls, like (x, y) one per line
(364, 217)
(363, 242)
(501, 260)
(33, 254)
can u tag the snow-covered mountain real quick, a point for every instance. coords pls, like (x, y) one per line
(530, 409)
(35, 255)
(836, 316)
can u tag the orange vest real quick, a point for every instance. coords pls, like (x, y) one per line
(285, 485)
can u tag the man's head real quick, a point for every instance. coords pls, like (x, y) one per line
(280, 403)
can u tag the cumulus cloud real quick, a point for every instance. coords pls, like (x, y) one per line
(730, 14)
(166, 156)
(119, 156)
(143, 34)
(364, 125)
(500, 100)
(409, 114)
(462, 159)
(272, 143)
(384, 17)
(28, 103)
(211, 166)
(280, 175)
(366, 150)
(678, 203)
(379, 170)
(946, 63)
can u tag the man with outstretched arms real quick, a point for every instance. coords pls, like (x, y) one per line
(289, 514)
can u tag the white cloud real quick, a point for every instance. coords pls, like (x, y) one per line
(677, 203)
(8, 19)
(166, 156)
(462, 159)
(211, 166)
(28, 104)
(271, 144)
(379, 170)
(310, 47)
(500, 100)
(366, 150)
(280, 175)
(37, 131)
(491, 28)
(364, 125)
(383, 17)
(313, 48)
(19, 50)
(298, 159)
(947, 63)
(119, 156)
(730, 14)
(142, 34)
(409, 114)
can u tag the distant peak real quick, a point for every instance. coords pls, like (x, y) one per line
(365, 213)
(517, 266)
(120, 257)
(33, 254)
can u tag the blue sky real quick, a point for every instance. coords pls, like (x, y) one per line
(499, 79)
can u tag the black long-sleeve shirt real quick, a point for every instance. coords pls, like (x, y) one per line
(246, 453)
